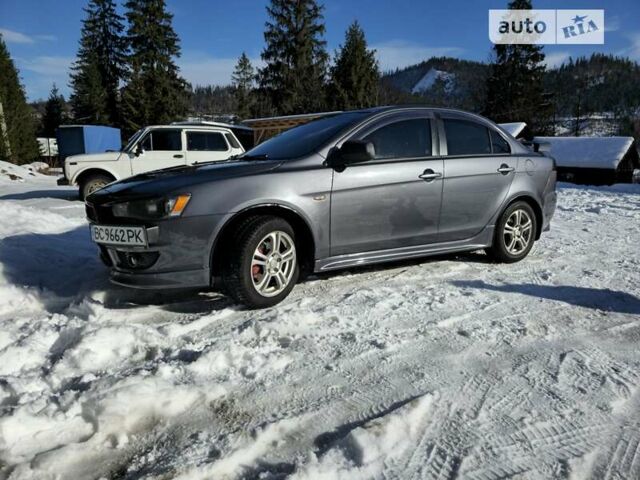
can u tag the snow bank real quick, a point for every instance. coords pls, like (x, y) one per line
(15, 173)
(37, 167)
(364, 452)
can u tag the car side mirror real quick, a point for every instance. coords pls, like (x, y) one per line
(352, 151)
(139, 149)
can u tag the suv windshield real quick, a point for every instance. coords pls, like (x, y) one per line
(306, 138)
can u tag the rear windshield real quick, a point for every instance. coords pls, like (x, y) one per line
(305, 139)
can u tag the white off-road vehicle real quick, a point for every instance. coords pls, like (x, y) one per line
(151, 148)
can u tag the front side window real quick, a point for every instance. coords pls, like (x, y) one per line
(163, 140)
(466, 138)
(232, 140)
(206, 142)
(403, 139)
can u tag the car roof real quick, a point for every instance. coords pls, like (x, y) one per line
(412, 107)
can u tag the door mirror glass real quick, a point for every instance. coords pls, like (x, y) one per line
(139, 150)
(353, 151)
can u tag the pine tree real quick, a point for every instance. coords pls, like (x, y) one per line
(295, 56)
(515, 90)
(18, 142)
(99, 67)
(355, 75)
(242, 80)
(155, 92)
(54, 113)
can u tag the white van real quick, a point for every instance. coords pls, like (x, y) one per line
(151, 148)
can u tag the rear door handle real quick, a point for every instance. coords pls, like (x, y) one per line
(178, 155)
(504, 169)
(429, 175)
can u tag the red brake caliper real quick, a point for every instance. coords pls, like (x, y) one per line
(256, 269)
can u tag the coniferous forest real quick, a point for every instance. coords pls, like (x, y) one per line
(126, 75)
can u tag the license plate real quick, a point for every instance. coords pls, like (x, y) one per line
(114, 235)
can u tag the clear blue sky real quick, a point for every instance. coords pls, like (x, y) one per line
(42, 35)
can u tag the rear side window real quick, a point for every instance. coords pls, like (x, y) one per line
(232, 140)
(164, 140)
(404, 139)
(498, 143)
(206, 142)
(466, 138)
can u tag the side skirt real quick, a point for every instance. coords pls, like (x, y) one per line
(482, 240)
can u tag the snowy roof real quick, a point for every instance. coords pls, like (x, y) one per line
(514, 129)
(588, 152)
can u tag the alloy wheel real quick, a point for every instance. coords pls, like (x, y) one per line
(273, 263)
(518, 232)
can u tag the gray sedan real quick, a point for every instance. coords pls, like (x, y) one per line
(355, 188)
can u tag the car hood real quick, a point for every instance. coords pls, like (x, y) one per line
(161, 182)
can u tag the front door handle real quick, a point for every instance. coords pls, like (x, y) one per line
(429, 175)
(504, 169)
(178, 155)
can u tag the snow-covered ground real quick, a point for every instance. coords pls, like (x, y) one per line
(448, 367)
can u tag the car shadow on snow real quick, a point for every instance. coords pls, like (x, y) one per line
(595, 298)
(60, 194)
(187, 301)
(64, 268)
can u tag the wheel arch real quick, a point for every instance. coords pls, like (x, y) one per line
(79, 177)
(305, 240)
(535, 206)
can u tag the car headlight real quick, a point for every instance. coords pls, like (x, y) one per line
(154, 209)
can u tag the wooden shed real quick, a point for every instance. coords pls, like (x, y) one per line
(594, 160)
(265, 128)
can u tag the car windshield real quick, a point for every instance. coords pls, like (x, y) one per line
(303, 140)
(133, 140)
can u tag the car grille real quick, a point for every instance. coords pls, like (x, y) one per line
(103, 215)
(99, 213)
(90, 210)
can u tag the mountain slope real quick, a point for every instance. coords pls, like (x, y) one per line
(443, 81)
(600, 83)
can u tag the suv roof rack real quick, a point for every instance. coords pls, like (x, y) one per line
(206, 123)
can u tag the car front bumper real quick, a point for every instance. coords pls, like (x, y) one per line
(149, 280)
(181, 249)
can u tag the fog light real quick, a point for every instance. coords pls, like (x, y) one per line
(137, 260)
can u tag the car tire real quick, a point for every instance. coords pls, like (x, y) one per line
(262, 264)
(93, 183)
(515, 233)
